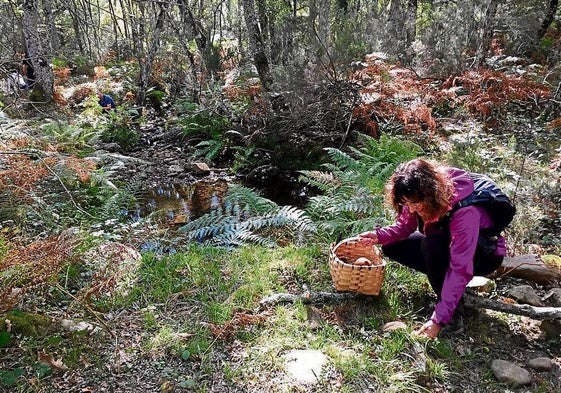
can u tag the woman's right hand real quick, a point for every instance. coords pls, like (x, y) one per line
(368, 238)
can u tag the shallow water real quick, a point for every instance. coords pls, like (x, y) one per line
(181, 203)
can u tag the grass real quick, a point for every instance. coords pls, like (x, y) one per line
(199, 304)
(240, 278)
(222, 288)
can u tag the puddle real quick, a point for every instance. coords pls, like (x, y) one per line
(180, 203)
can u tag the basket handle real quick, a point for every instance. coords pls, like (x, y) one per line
(352, 239)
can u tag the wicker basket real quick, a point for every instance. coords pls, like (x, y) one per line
(348, 277)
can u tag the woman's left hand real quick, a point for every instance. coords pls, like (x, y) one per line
(430, 329)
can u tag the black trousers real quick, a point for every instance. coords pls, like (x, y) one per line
(431, 255)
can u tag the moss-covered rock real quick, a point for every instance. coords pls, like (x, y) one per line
(28, 324)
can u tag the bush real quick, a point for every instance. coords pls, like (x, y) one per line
(121, 129)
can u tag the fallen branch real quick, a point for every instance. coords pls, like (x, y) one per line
(539, 313)
(308, 298)
(528, 267)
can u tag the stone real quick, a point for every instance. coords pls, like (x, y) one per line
(305, 366)
(525, 294)
(541, 363)
(551, 328)
(510, 373)
(394, 325)
(554, 296)
(481, 284)
(200, 168)
(174, 168)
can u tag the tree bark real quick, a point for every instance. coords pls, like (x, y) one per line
(539, 313)
(44, 76)
(257, 44)
(548, 20)
(528, 267)
(401, 27)
(486, 32)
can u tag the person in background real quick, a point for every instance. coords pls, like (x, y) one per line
(28, 71)
(15, 81)
(105, 101)
(425, 237)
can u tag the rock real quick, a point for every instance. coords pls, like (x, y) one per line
(551, 328)
(200, 168)
(481, 284)
(394, 325)
(510, 373)
(525, 294)
(555, 295)
(117, 166)
(3, 118)
(82, 326)
(305, 366)
(111, 147)
(174, 169)
(541, 364)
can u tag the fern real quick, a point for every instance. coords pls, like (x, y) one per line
(352, 185)
(244, 218)
(253, 201)
(323, 181)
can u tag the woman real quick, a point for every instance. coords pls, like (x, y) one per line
(426, 238)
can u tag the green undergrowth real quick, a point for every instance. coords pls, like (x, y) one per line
(203, 304)
(222, 290)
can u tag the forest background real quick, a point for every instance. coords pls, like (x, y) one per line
(136, 247)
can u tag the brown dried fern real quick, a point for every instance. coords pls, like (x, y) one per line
(30, 266)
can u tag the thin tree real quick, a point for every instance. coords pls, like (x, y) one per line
(547, 21)
(257, 45)
(486, 30)
(35, 45)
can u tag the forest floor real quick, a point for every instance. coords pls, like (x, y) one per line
(511, 337)
(119, 352)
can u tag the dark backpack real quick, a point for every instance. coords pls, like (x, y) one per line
(501, 209)
(486, 193)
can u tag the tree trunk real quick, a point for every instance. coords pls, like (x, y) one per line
(35, 43)
(401, 29)
(257, 45)
(528, 267)
(548, 20)
(53, 34)
(486, 35)
(146, 61)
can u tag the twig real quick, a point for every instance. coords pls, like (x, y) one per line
(87, 307)
(308, 298)
(539, 313)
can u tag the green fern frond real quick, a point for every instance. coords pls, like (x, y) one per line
(211, 224)
(243, 218)
(285, 216)
(341, 159)
(255, 203)
(323, 181)
(360, 174)
(363, 203)
(241, 237)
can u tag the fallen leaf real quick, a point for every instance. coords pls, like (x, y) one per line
(49, 359)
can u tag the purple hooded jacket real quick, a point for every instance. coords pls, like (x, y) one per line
(465, 224)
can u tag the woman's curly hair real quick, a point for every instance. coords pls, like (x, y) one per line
(419, 180)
